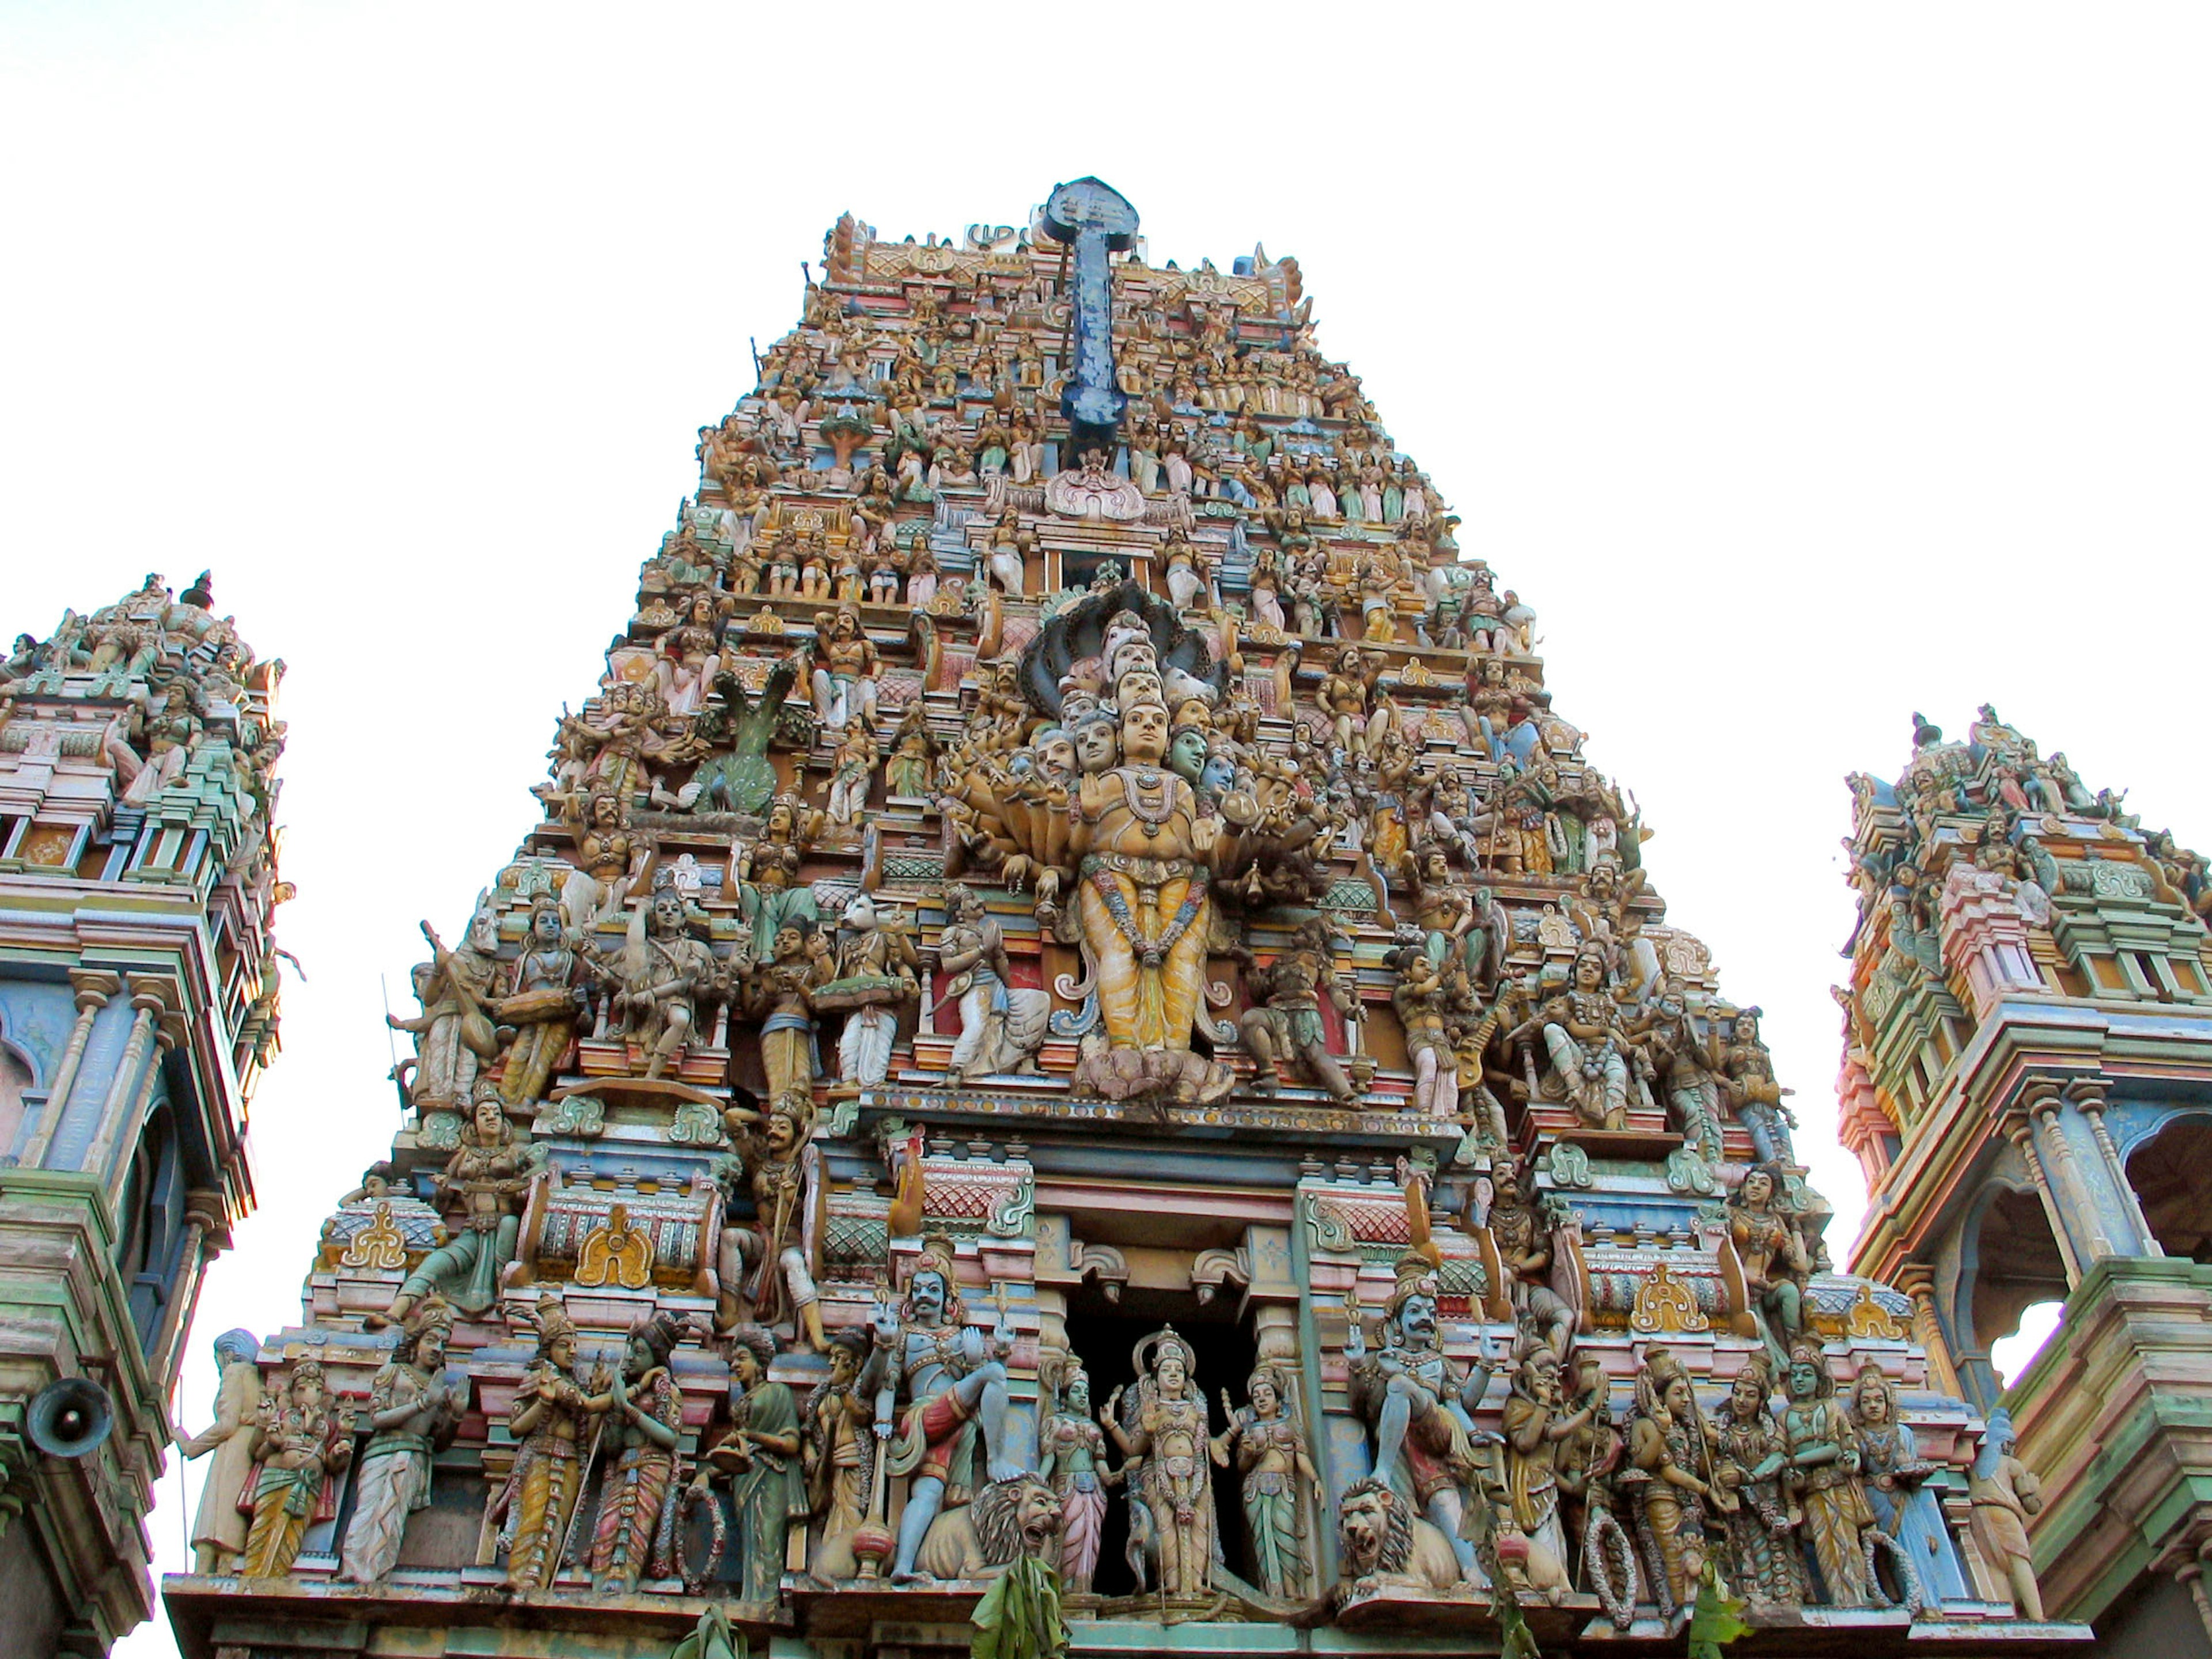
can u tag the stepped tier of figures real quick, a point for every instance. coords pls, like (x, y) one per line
(1067, 852)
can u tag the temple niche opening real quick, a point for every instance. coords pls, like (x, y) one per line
(1076, 1050)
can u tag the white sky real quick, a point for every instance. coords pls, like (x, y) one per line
(1803, 366)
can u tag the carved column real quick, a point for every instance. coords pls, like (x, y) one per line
(2021, 1132)
(93, 988)
(1919, 1283)
(133, 1082)
(2088, 1094)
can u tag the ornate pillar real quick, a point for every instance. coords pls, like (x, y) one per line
(1919, 1283)
(2088, 1093)
(119, 1113)
(93, 988)
(2022, 1134)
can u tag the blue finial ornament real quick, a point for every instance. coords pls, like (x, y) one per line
(1095, 220)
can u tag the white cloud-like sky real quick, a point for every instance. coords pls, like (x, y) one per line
(1803, 366)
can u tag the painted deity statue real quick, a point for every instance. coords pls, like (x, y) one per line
(481, 1191)
(300, 1448)
(766, 1270)
(540, 1003)
(1775, 1263)
(951, 1381)
(758, 1452)
(643, 1424)
(1583, 1032)
(1523, 1232)
(1895, 1477)
(1283, 1027)
(1538, 1420)
(837, 1450)
(2004, 1493)
(1170, 1489)
(874, 967)
(219, 1525)
(1757, 1100)
(1418, 1405)
(660, 977)
(1668, 1453)
(1749, 1460)
(1823, 1465)
(770, 896)
(1268, 1445)
(553, 1417)
(845, 670)
(453, 1036)
(1684, 1062)
(1002, 1024)
(780, 994)
(413, 1414)
(1072, 1456)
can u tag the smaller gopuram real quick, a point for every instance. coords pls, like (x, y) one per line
(2028, 1081)
(1074, 1059)
(138, 992)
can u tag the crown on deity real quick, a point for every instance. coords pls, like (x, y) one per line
(433, 1312)
(939, 1256)
(553, 1321)
(1417, 1276)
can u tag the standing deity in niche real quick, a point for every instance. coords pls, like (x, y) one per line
(1668, 1452)
(219, 1526)
(1283, 1027)
(1171, 1491)
(758, 1452)
(1895, 1478)
(1269, 1446)
(838, 1451)
(1073, 1458)
(2004, 1493)
(874, 966)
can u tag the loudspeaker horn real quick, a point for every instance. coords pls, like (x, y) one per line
(69, 1417)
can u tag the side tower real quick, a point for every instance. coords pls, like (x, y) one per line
(2028, 1082)
(138, 992)
(1075, 1044)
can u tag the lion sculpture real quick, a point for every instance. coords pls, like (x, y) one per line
(1007, 1520)
(1380, 1542)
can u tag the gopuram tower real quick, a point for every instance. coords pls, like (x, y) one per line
(2028, 1065)
(1075, 1061)
(138, 992)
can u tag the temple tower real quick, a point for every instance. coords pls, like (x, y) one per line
(1073, 1047)
(2028, 1082)
(138, 994)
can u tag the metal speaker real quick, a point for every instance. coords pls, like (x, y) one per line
(70, 1417)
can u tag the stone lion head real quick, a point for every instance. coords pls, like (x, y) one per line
(1014, 1518)
(1373, 1533)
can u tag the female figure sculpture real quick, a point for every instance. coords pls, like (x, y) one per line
(759, 1453)
(540, 1003)
(770, 896)
(1891, 1469)
(1749, 1460)
(643, 1423)
(1774, 1265)
(412, 1415)
(1666, 1445)
(1171, 1496)
(1072, 1457)
(1269, 1447)
(836, 1456)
